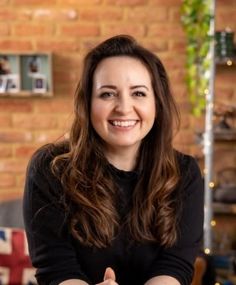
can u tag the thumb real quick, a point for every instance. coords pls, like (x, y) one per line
(109, 274)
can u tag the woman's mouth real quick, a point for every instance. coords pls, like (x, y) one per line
(123, 124)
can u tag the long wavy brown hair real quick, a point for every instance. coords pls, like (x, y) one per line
(82, 168)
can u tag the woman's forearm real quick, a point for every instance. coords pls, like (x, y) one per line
(162, 280)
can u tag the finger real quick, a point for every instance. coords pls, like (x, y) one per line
(109, 274)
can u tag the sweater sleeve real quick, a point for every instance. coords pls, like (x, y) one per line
(177, 261)
(50, 244)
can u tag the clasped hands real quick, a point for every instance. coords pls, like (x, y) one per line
(109, 277)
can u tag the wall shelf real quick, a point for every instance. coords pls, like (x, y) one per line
(223, 208)
(26, 75)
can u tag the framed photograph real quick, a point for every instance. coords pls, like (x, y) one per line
(34, 65)
(12, 83)
(3, 83)
(39, 83)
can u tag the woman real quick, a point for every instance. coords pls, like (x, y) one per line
(116, 204)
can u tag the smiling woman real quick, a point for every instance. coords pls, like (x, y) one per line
(127, 208)
(122, 107)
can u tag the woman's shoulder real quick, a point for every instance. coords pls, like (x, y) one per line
(187, 163)
(42, 158)
(190, 173)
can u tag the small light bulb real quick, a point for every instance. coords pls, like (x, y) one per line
(207, 251)
(213, 223)
(229, 62)
(211, 184)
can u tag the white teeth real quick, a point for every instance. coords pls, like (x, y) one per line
(123, 123)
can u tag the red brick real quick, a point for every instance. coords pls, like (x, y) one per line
(67, 62)
(104, 14)
(225, 3)
(5, 121)
(68, 89)
(11, 106)
(165, 3)
(13, 166)
(15, 45)
(179, 92)
(126, 2)
(54, 45)
(184, 137)
(154, 45)
(176, 45)
(5, 151)
(55, 14)
(25, 150)
(3, 2)
(166, 30)
(176, 75)
(64, 122)
(198, 124)
(174, 14)
(55, 106)
(33, 2)
(174, 62)
(88, 44)
(20, 181)
(185, 121)
(48, 137)
(35, 30)
(24, 14)
(4, 29)
(34, 122)
(15, 136)
(184, 107)
(74, 30)
(7, 180)
(136, 30)
(146, 14)
(7, 14)
(64, 75)
(80, 2)
(14, 193)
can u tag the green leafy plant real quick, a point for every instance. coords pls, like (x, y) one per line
(196, 18)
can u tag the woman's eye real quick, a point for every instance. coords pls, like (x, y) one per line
(106, 95)
(139, 94)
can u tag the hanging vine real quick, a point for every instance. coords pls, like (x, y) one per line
(196, 17)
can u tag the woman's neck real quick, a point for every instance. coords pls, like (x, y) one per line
(122, 159)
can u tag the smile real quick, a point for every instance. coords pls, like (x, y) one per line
(130, 123)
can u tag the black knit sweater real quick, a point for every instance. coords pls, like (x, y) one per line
(58, 256)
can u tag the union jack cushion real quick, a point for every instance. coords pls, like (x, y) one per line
(15, 265)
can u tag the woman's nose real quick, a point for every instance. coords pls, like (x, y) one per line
(124, 104)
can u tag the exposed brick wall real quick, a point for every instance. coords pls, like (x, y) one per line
(68, 28)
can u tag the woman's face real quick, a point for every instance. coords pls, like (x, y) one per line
(123, 102)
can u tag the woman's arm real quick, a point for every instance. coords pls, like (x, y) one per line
(162, 280)
(50, 243)
(109, 279)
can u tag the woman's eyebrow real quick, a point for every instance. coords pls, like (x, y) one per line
(132, 87)
(108, 86)
(138, 86)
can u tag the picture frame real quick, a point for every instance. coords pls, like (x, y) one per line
(3, 83)
(39, 83)
(12, 83)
